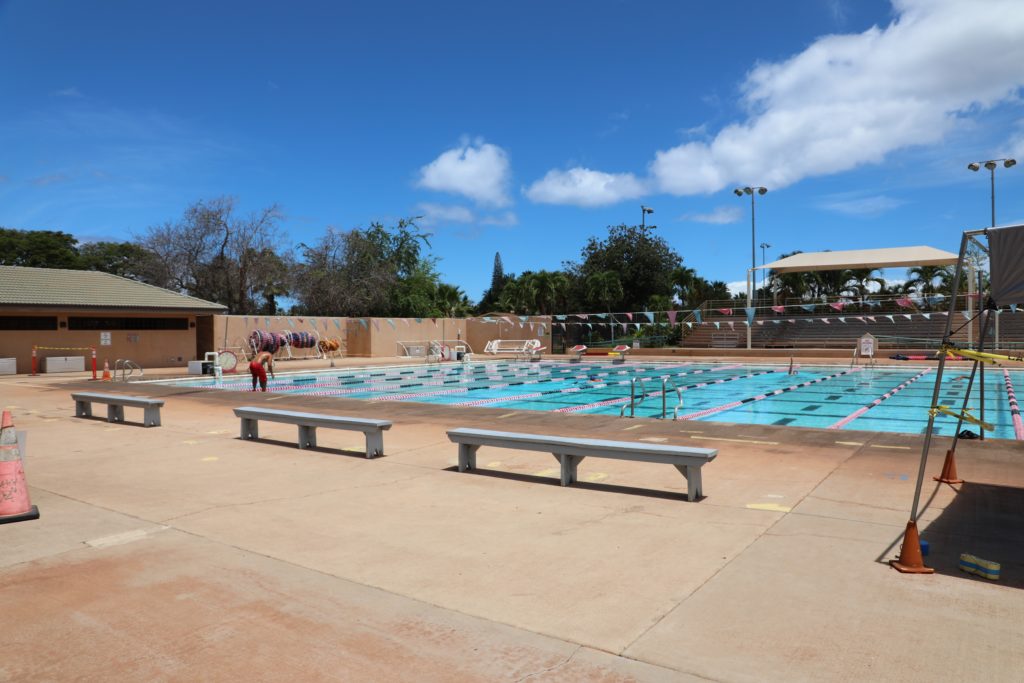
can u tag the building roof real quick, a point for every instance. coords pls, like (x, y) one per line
(891, 257)
(21, 286)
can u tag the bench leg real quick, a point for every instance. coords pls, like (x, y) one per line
(115, 413)
(152, 416)
(570, 465)
(694, 489)
(307, 436)
(374, 443)
(250, 428)
(467, 457)
(83, 409)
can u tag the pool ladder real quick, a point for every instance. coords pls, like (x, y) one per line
(634, 401)
(127, 368)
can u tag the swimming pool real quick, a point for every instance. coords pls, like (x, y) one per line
(886, 399)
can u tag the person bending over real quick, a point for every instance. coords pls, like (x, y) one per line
(258, 367)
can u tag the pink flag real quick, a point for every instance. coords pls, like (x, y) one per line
(629, 315)
(732, 326)
(724, 311)
(779, 309)
(672, 317)
(837, 305)
(825, 320)
(904, 302)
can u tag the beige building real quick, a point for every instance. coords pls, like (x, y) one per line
(69, 312)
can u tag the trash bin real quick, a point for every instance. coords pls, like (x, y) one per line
(207, 367)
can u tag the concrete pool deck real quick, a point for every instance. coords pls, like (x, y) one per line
(184, 553)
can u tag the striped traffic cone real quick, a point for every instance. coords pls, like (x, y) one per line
(14, 502)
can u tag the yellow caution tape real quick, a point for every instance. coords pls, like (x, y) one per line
(965, 416)
(993, 358)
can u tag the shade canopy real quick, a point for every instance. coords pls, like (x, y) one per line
(890, 257)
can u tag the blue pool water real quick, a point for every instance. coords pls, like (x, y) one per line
(815, 396)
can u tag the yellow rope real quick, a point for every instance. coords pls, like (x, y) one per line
(993, 358)
(965, 416)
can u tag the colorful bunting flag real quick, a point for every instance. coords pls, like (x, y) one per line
(808, 307)
(838, 305)
(672, 317)
(697, 316)
(779, 309)
(724, 311)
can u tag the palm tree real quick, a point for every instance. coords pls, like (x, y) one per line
(606, 288)
(922, 279)
(858, 281)
(452, 301)
(549, 289)
(685, 284)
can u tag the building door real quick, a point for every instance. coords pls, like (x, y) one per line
(204, 335)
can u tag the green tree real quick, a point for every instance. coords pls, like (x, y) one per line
(125, 259)
(644, 261)
(604, 288)
(38, 249)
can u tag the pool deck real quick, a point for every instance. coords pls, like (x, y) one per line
(183, 553)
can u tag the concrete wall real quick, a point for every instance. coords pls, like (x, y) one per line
(149, 348)
(379, 337)
(232, 331)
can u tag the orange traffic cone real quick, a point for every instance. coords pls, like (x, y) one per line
(14, 502)
(948, 475)
(106, 371)
(910, 560)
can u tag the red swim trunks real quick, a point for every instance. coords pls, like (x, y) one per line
(259, 373)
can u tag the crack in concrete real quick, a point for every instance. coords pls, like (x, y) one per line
(551, 668)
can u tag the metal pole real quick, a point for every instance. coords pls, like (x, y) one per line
(993, 172)
(970, 386)
(750, 279)
(981, 347)
(938, 379)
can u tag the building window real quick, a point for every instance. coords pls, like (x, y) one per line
(93, 323)
(28, 322)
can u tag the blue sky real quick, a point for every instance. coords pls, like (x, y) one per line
(523, 128)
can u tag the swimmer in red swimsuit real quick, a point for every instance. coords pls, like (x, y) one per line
(258, 367)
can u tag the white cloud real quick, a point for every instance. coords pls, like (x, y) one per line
(863, 206)
(737, 287)
(720, 215)
(475, 169)
(850, 99)
(442, 213)
(585, 187)
(505, 219)
(434, 215)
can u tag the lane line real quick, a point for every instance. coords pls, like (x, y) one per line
(1018, 424)
(889, 394)
(735, 404)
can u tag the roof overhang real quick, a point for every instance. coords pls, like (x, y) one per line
(890, 257)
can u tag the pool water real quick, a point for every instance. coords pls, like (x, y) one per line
(886, 399)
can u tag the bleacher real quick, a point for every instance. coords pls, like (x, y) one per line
(810, 332)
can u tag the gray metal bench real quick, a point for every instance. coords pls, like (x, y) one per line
(569, 452)
(116, 404)
(308, 423)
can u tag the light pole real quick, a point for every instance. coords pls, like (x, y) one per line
(764, 273)
(991, 165)
(753, 192)
(644, 210)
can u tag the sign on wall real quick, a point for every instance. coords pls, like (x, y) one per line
(104, 338)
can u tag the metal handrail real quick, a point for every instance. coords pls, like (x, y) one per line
(127, 367)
